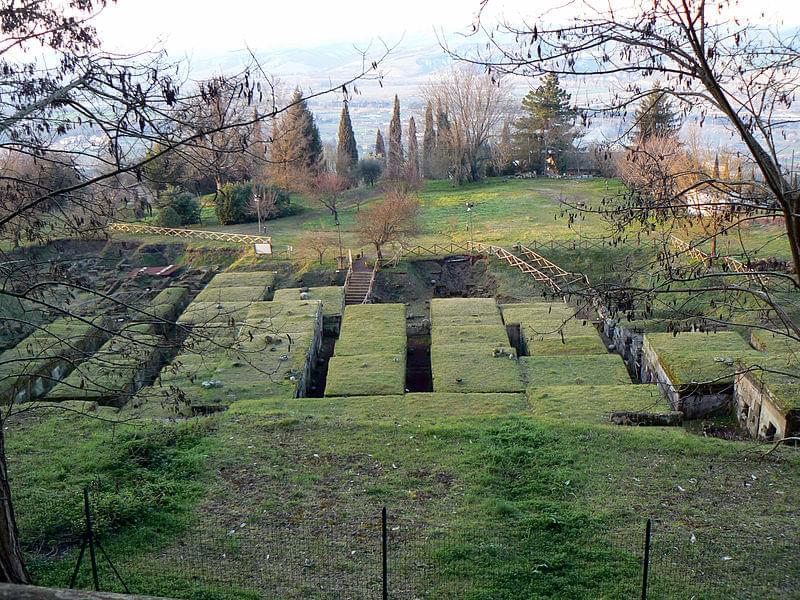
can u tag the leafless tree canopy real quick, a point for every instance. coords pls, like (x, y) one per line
(475, 105)
(394, 219)
(709, 60)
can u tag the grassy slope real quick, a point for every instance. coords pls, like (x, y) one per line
(550, 486)
(561, 494)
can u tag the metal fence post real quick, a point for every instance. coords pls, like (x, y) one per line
(646, 560)
(385, 555)
(90, 538)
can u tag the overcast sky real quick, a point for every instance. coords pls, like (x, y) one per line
(204, 27)
(201, 26)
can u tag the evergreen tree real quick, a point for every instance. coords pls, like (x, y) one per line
(394, 158)
(655, 115)
(546, 125)
(504, 152)
(255, 160)
(441, 154)
(428, 144)
(380, 149)
(296, 150)
(347, 151)
(162, 171)
(412, 161)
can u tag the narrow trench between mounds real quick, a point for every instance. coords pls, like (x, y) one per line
(514, 332)
(319, 371)
(419, 376)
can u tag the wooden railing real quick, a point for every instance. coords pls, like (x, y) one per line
(516, 261)
(197, 234)
(543, 264)
(437, 249)
(375, 269)
(731, 263)
(349, 268)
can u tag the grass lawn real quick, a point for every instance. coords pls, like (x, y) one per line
(592, 369)
(331, 297)
(214, 313)
(495, 489)
(48, 352)
(690, 358)
(491, 335)
(366, 375)
(113, 371)
(491, 502)
(449, 311)
(544, 321)
(505, 212)
(261, 279)
(593, 403)
(372, 329)
(470, 368)
(288, 316)
(572, 345)
(231, 294)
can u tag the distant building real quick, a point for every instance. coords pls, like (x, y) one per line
(701, 203)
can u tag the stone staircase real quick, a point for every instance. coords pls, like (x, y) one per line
(357, 287)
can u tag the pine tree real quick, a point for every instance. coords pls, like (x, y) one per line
(412, 161)
(394, 158)
(296, 151)
(380, 148)
(655, 115)
(347, 151)
(428, 144)
(546, 125)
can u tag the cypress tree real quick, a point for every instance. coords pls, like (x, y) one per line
(428, 144)
(394, 158)
(346, 151)
(504, 152)
(380, 148)
(412, 161)
(441, 156)
(655, 115)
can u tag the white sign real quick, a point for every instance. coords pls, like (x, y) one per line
(263, 248)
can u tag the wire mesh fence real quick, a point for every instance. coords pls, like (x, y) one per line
(303, 554)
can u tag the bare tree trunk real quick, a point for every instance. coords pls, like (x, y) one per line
(792, 224)
(12, 564)
(713, 248)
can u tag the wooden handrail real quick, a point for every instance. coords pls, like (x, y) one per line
(542, 263)
(375, 270)
(219, 236)
(733, 264)
(516, 261)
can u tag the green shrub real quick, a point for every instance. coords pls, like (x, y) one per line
(187, 207)
(235, 203)
(369, 170)
(168, 217)
(183, 203)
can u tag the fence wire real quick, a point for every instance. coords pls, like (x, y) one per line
(306, 555)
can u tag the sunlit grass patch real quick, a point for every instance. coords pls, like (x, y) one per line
(592, 369)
